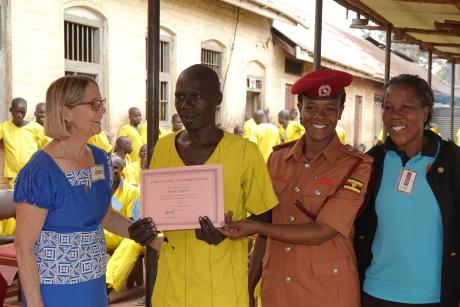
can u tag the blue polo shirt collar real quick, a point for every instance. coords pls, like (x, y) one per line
(430, 150)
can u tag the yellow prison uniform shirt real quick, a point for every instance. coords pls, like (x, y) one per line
(293, 131)
(267, 137)
(101, 140)
(458, 137)
(43, 139)
(341, 134)
(143, 130)
(136, 139)
(436, 130)
(250, 130)
(126, 201)
(20, 144)
(132, 173)
(192, 272)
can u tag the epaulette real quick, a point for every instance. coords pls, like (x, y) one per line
(284, 145)
(350, 150)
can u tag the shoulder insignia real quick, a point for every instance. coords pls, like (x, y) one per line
(284, 145)
(350, 150)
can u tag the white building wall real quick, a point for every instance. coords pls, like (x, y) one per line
(37, 44)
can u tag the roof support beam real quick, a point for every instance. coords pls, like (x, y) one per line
(453, 2)
(318, 30)
(153, 116)
(452, 101)
(430, 65)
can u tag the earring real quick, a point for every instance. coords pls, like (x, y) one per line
(67, 124)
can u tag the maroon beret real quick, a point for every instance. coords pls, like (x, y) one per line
(322, 84)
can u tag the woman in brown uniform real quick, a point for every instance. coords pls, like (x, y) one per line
(309, 259)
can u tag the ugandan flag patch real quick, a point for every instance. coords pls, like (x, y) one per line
(353, 185)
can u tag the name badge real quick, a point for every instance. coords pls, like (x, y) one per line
(97, 172)
(406, 181)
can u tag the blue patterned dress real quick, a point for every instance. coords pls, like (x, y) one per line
(70, 250)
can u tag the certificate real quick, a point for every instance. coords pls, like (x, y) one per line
(176, 197)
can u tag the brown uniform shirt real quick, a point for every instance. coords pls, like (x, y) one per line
(332, 188)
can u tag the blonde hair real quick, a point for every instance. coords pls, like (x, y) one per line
(64, 92)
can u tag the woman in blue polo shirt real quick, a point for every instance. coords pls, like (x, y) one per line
(408, 236)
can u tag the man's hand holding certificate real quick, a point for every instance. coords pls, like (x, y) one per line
(175, 198)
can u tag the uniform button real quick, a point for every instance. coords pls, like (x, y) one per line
(288, 279)
(335, 271)
(317, 192)
(291, 218)
(307, 165)
(453, 254)
(361, 237)
(296, 189)
(441, 170)
(287, 249)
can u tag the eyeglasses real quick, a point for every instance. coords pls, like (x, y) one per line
(95, 104)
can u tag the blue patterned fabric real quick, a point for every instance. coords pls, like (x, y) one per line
(70, 258)
(70, 250)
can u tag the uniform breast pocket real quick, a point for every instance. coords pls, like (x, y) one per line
(314, 197)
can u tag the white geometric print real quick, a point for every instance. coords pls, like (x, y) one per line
(69, 258)
(79, 177)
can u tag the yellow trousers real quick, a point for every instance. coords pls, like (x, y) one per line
(8, 227)
(122, 261)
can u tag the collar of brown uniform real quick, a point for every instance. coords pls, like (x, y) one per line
(330, 152)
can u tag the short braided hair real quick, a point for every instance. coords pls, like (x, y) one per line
(421, 87)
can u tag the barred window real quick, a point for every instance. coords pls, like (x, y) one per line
(80, 42)
(164, 57)
(293, 67)
(212, 59)
(164, 97)
(378, 98)
(253, 84)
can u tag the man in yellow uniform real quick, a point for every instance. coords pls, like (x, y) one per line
(123, 148)
(289, 130)
(132, 171)
(143, 130)
(238, 130)
(250, 129)
(125, 200)
(176, 124)
(40, 122)
(102, 141)
(201, 267)
(21, 139)
(294, 114)
(267, 134)
(132, 131)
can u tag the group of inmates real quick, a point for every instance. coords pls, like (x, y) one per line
(334, 226)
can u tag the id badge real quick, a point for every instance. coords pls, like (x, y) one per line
(97, 172)
(406, 181)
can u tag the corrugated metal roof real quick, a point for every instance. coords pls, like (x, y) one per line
(433, 24)
(343, 48)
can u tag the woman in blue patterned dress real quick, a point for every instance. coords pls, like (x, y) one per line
(63, 200)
